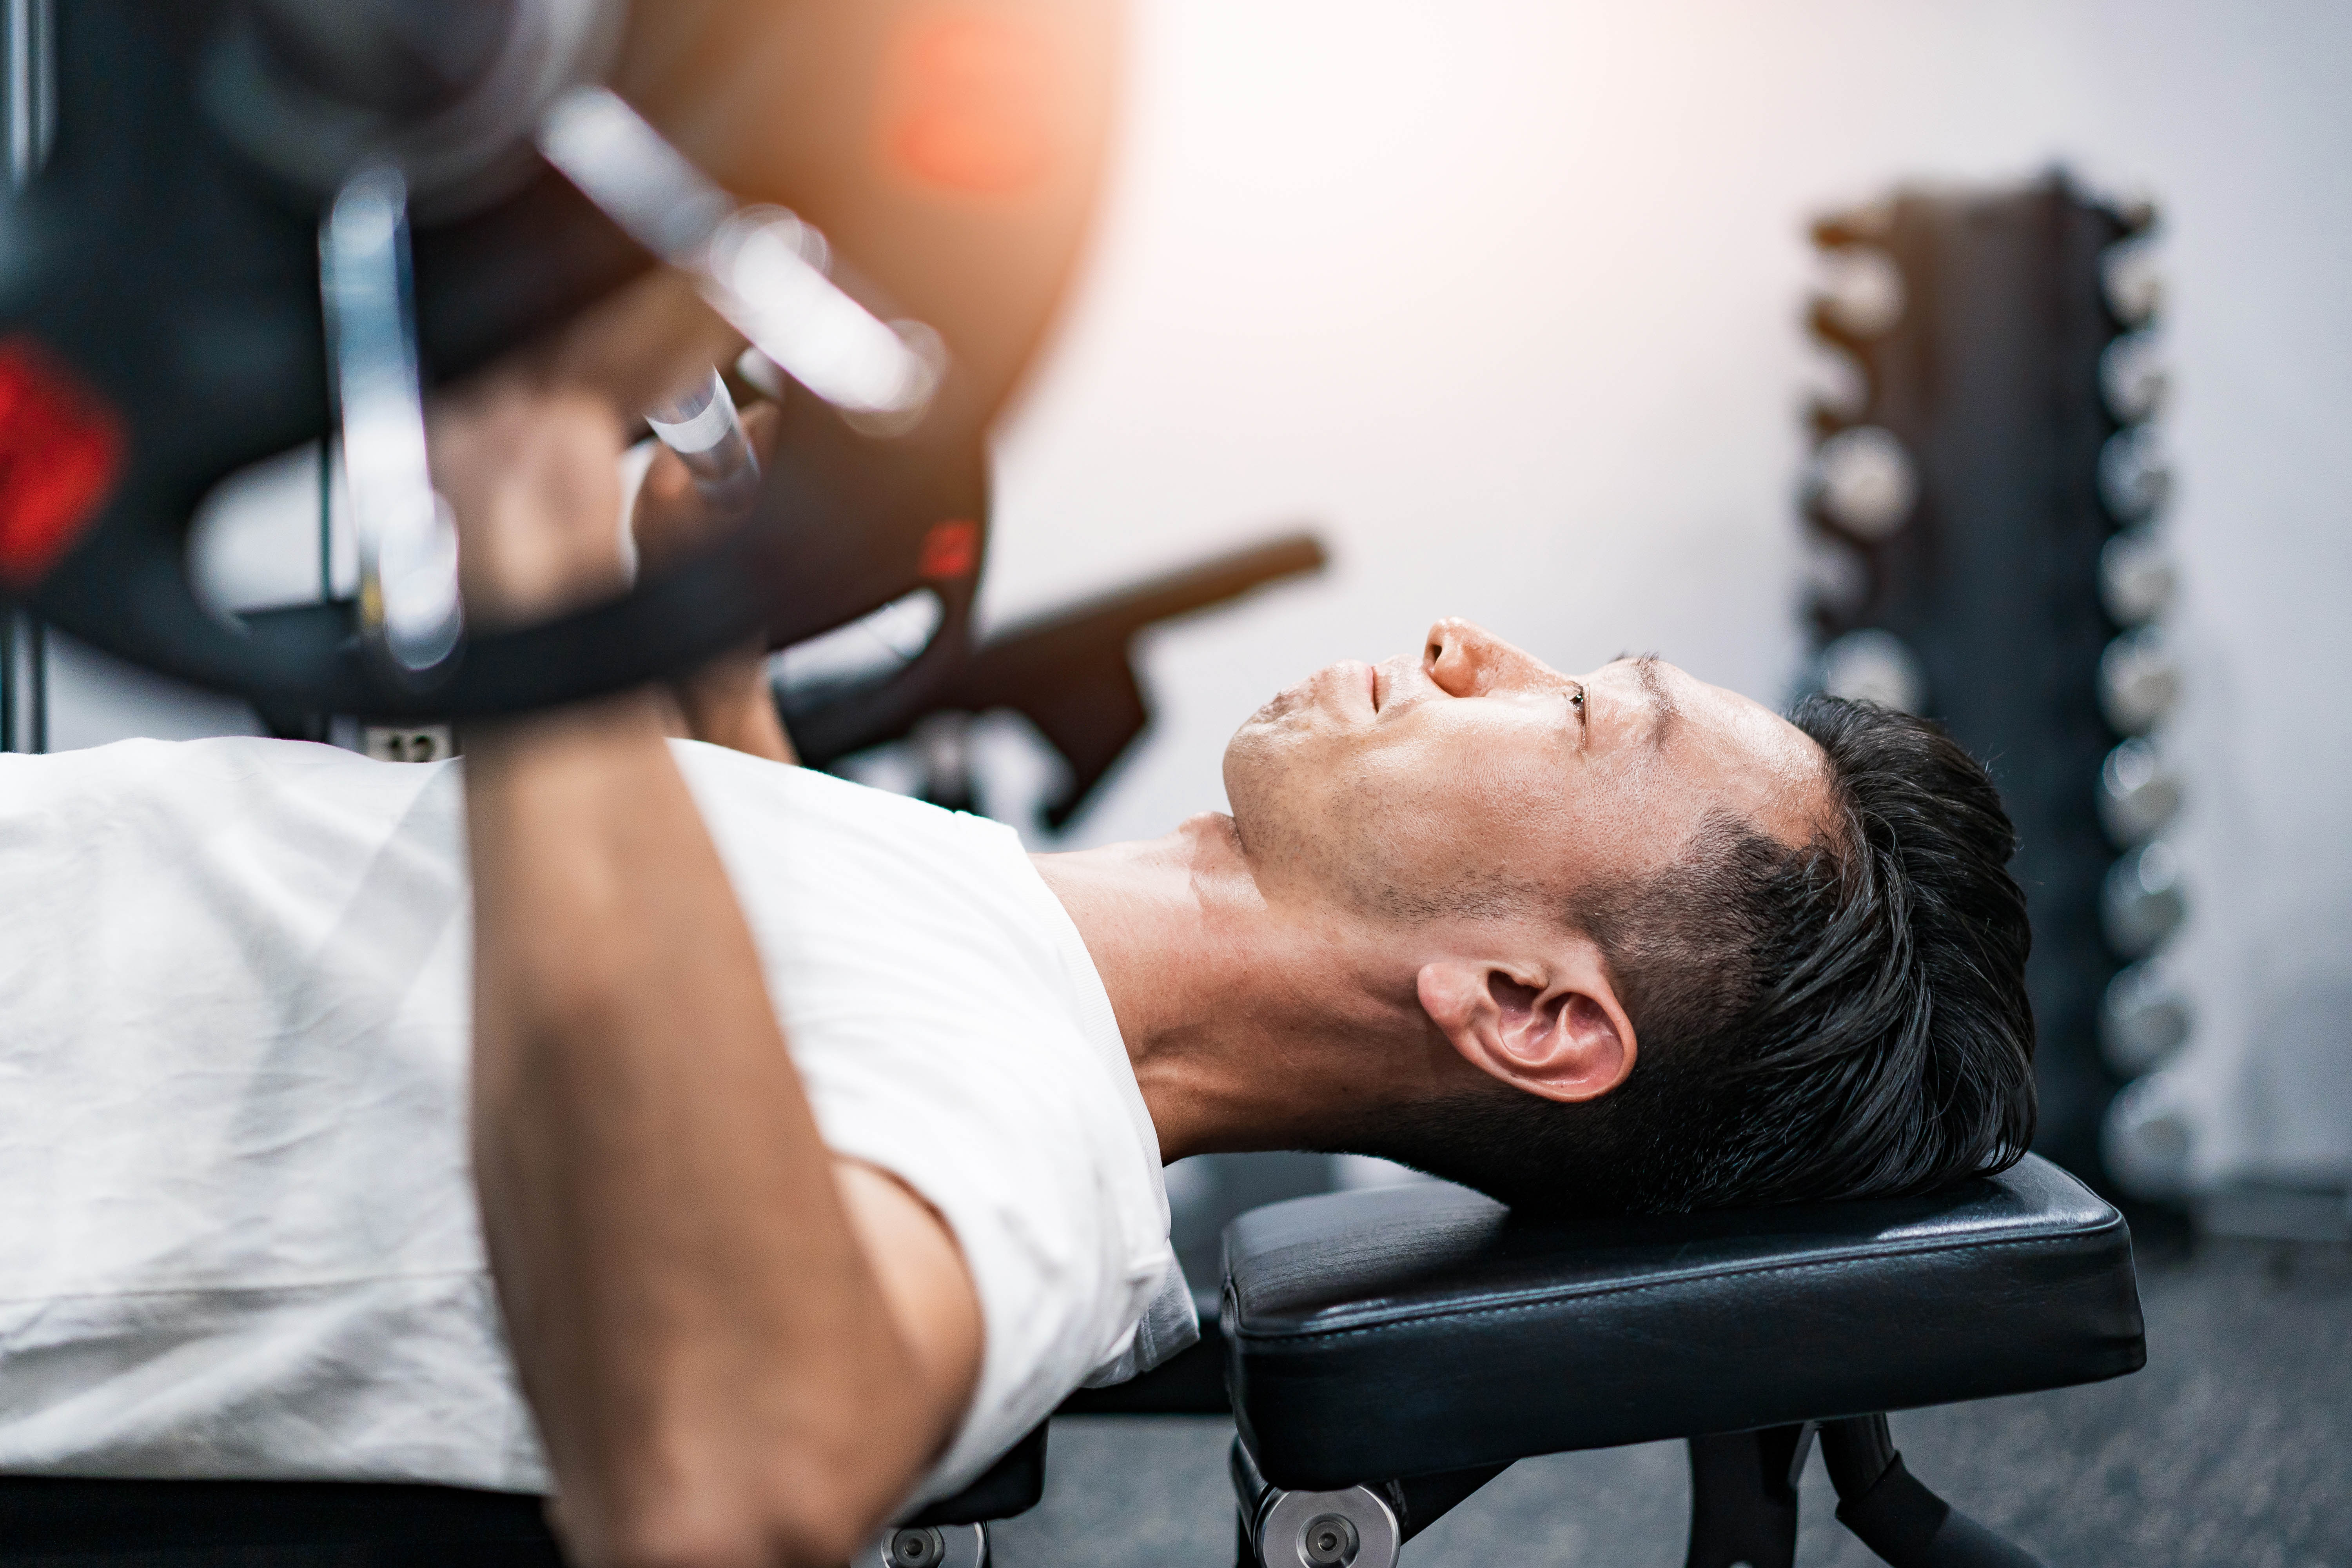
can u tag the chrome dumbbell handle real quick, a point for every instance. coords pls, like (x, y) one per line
(2136, 576)
(2139, 680)
(760, 267)
(2144, 1017)
(1865, 482)
(701, 426)
(410, 611)
(2138, 793)
(2135, 478)
(2143, 900)
(1874, 665)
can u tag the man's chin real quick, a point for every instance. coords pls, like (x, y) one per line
(1251, 763)
(1282, 705)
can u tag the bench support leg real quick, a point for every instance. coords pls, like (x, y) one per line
(1360, 1527)
(1743, 1496)
(1897, 1517)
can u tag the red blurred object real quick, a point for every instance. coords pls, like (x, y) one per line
(60, 449)
(951, 550)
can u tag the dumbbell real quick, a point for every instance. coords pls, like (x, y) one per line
(162, 327)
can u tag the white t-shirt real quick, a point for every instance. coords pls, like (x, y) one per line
(238, 1225)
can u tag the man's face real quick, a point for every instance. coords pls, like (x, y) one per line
(1467, 778)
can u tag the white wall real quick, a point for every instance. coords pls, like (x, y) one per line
(1505, 296)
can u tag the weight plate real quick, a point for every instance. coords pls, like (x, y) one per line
(949, 149)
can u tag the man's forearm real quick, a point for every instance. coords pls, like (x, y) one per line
(715, 1370)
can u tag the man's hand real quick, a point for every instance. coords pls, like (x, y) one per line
(528, 465)
(740, 1352)
(727, 702)
(525, 452)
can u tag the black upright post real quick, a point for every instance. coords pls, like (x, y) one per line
(8, 681)
(36, 682)
(28, 123)
(24, 683)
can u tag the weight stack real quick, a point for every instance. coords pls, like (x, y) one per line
(1980, 512)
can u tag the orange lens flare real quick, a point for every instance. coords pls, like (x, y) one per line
(972, 100)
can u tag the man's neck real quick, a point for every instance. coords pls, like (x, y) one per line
(1249, 1026)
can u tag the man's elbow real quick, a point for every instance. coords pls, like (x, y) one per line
(810, 1545)
(807, 1492)
(798, 1523)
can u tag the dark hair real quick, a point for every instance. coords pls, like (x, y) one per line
(1844, 1019)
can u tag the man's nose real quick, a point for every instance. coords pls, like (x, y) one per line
(1460, 657)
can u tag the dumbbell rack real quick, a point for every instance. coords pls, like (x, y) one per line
(1980, 515)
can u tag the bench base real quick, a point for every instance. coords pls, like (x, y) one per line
(1743, 1507)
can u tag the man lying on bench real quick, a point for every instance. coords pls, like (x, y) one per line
(816, 1133)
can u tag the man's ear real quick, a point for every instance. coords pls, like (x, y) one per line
(1551, 1026)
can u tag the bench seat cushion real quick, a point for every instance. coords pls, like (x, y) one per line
(1407, 1330)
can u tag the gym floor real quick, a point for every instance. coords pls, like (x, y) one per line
(2233, 1450)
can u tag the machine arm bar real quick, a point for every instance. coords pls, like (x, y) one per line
(1071, 673)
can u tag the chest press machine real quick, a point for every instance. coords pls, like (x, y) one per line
(1384, 1354)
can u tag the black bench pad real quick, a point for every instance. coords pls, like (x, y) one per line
(65, 1523)
(1407, 1330)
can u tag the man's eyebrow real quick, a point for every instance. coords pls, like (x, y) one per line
(1649, 669)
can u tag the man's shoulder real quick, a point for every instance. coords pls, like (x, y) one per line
(831, 860)
(724, 779)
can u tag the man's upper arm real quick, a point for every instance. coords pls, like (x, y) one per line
(924, 1281)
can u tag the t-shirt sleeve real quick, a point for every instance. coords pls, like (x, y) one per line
(1012, 1160)
(916, 975)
